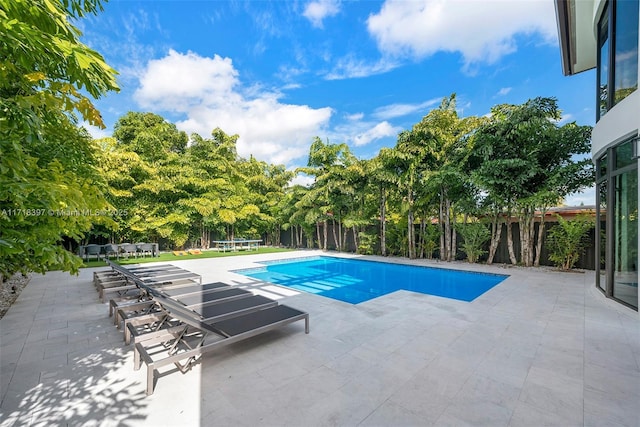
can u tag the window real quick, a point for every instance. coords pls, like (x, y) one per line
(601, 239)
(626, 49)
(617, 228)
(624, 154)
(617, 54)
(603, 63)
(625, 237)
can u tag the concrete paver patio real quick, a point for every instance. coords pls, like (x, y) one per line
(541, 348)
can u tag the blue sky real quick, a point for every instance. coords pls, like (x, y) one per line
(279, 73)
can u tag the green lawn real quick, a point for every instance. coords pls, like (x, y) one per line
(169, 256)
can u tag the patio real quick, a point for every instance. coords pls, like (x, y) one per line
(541, 348)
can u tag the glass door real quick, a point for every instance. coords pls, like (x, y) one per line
(625, 238)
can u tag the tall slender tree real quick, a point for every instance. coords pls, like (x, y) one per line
(445, 177)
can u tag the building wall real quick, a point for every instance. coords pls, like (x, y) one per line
(621, 122)
(617, 125)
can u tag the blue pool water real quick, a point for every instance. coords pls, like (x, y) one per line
(355, 281)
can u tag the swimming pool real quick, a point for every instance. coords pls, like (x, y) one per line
(355, 281)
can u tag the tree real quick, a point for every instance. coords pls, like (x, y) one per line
(526, 163)
(49, 186)
(326, 194)
(406, 160)
(153, 180)
(149, 135)
(445, 176)
(383, 178)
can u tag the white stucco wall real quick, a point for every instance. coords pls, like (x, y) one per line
(621, 122)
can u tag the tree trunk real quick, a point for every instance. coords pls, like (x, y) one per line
(532, 240)
(526, 237)
(536, 262)
(326, 234)
(496, 232)
(421, 239)
(345, 230)
(383, 222)
(512, 255)
(443, 255)
(447, 229)
(355, 238)
(454, 237)
(410, 230)
(318, 233)
(523, 246)
(204, 243)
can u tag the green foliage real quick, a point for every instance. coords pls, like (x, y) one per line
(397, 240)
(366, 243)
(49, 186)
(430, 238)
(525, 162)
(567, 240)
(521, 151)
(184, 193)
(475, 235)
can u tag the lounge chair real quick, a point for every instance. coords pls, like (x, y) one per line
(186, 347)
(123, 285)
(199, 303)
(142, 306)
(183, 333)
(106, 275)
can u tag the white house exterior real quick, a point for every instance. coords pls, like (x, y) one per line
(603, 34)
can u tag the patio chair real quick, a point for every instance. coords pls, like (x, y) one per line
(129, 249)
(123, 285)
(111, 249)
(138, 306)
(146, 248)
(218, 306)
(106, 275)
(92, 250)
(183, 333)
(184, 345)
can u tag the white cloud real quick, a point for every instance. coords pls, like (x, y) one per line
(178, 82)
(208, 92)
(399, 110)
(356, 116)
(357, 132)
(316, 11)
(350, 67)
(381, 130)
(482, 31)
(503, 91)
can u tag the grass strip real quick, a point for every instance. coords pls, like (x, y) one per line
(169, 256)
